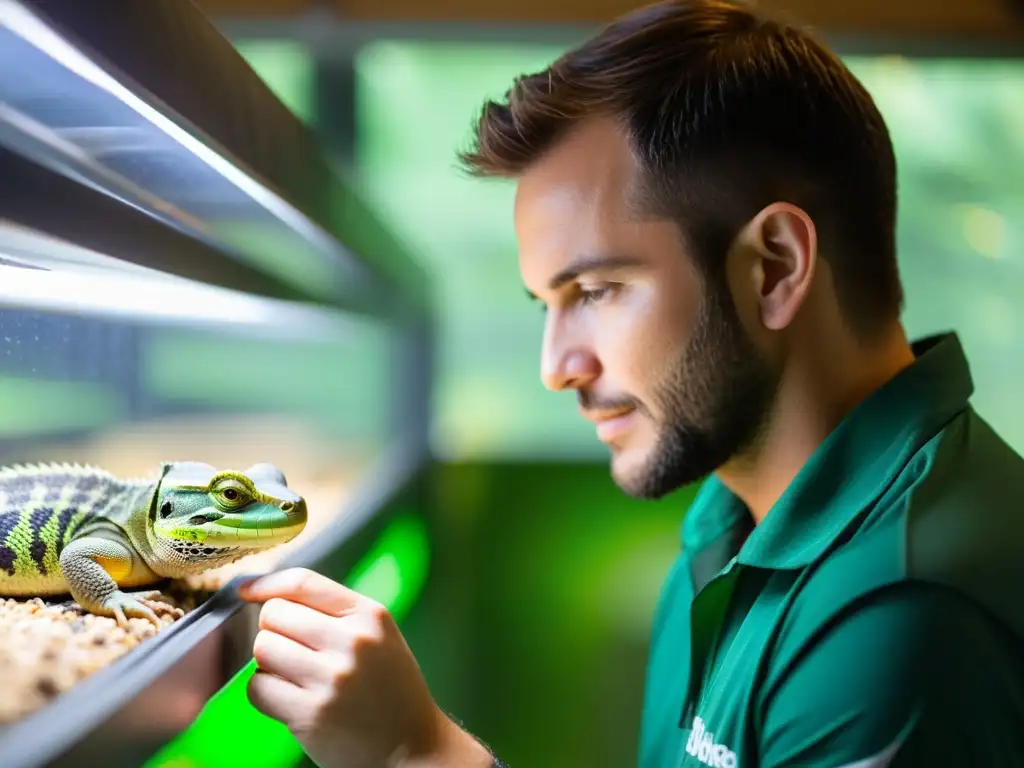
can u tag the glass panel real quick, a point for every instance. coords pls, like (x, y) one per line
(63, 110)
(958, 127)
(123, 369)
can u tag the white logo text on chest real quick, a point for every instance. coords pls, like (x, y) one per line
(701, 745)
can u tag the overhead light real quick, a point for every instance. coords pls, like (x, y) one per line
(42, 273)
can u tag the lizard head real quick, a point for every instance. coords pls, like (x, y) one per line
(202, 517)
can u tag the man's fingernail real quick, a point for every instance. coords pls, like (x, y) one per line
(244, 585)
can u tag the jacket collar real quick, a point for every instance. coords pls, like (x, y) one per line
(849, 471)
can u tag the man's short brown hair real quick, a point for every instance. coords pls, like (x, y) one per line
(727, 111)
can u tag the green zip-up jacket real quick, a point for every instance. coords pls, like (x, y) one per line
(876, 615)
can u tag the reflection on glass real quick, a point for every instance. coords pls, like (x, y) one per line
(63, 109)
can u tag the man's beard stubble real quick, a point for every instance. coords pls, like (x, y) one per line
(713, 406)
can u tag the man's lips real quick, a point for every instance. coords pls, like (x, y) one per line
(611, 424)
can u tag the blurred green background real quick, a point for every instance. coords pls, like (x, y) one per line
(958, 127)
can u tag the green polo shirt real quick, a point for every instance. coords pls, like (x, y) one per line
(876, 615)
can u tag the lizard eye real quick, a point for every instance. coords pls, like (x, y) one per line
(231, 497)
(166, 509)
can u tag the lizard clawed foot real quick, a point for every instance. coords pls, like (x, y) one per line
(149, 594)
(123, 606)
(155, 599)
(161, 606)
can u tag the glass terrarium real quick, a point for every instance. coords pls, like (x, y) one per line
(184, 277)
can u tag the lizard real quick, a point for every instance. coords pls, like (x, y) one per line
(81, 530)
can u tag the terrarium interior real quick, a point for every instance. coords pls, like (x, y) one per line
(122, 369)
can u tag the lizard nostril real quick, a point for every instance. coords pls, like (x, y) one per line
(287, 506)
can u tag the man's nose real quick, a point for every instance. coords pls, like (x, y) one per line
(573, 369)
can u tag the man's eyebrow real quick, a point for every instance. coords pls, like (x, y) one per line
(585, 264)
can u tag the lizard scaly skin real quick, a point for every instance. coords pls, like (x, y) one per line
(79, 530)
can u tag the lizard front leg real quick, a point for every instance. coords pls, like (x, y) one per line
(88, 564)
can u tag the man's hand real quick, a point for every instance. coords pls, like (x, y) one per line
(335, 669)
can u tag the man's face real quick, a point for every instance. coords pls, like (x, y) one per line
(658, 357)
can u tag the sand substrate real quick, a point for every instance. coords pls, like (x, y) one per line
(49, 645)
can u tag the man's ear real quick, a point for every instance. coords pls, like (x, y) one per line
(784, 242)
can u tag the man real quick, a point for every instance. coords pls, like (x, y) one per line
(706, 209)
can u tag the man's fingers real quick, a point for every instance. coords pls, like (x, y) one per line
(301, 585)
(299, 622)
(288, 659)
(276, 698)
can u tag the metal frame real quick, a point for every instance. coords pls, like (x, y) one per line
(193, 139)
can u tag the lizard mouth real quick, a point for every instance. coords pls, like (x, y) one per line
(205, 517)
(263, 527)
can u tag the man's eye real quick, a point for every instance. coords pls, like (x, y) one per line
(595, 294)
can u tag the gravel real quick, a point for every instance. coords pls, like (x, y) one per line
(47, 646)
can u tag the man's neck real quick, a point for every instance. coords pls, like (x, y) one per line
(814, 396)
